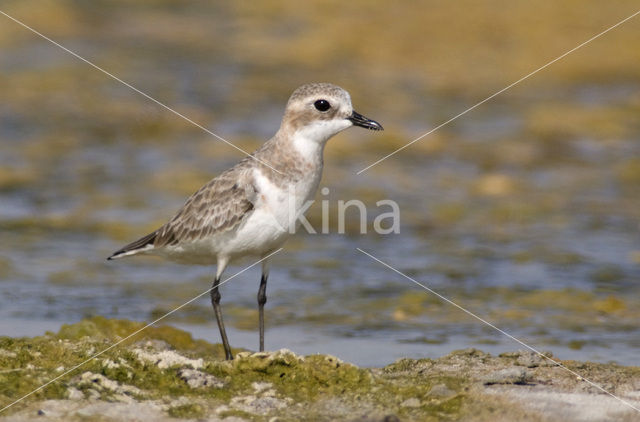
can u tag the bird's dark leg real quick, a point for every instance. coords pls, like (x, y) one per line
(215, 301)
(262, 299)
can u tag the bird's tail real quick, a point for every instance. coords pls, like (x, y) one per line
(141, 245)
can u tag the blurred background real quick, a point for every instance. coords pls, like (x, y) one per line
(525, 211)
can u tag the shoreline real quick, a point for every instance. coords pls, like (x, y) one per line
(366, 351)
(163, 374)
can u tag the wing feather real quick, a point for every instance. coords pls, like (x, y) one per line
(220, 205)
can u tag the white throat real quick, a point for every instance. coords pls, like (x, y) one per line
(310, 140)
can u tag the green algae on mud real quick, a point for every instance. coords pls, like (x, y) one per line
(283, 376)
(185, 379)
(29, 362)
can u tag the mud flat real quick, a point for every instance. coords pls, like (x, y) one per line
(164, 375)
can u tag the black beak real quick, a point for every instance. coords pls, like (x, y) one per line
(359, 120)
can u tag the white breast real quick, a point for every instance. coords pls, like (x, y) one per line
(275, 213)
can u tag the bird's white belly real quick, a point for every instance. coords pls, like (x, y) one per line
(274, 218)
(259, 234)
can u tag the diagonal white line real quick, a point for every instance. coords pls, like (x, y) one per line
(136, 332)
(498, 93)
(498, 329)
(177, 113)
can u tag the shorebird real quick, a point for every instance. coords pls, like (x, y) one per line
(249, 210)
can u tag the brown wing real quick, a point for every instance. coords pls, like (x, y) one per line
(218, 206)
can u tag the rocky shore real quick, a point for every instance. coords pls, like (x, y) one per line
(162, 374)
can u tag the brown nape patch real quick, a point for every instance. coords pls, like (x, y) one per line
(296, 120)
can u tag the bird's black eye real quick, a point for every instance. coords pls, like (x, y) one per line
(322, 105)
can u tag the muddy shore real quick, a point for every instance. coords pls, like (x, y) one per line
(163, 374)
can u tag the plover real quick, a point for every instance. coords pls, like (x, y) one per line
(249, 209)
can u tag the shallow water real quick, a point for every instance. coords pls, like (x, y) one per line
(325, 297)
(526, 211)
